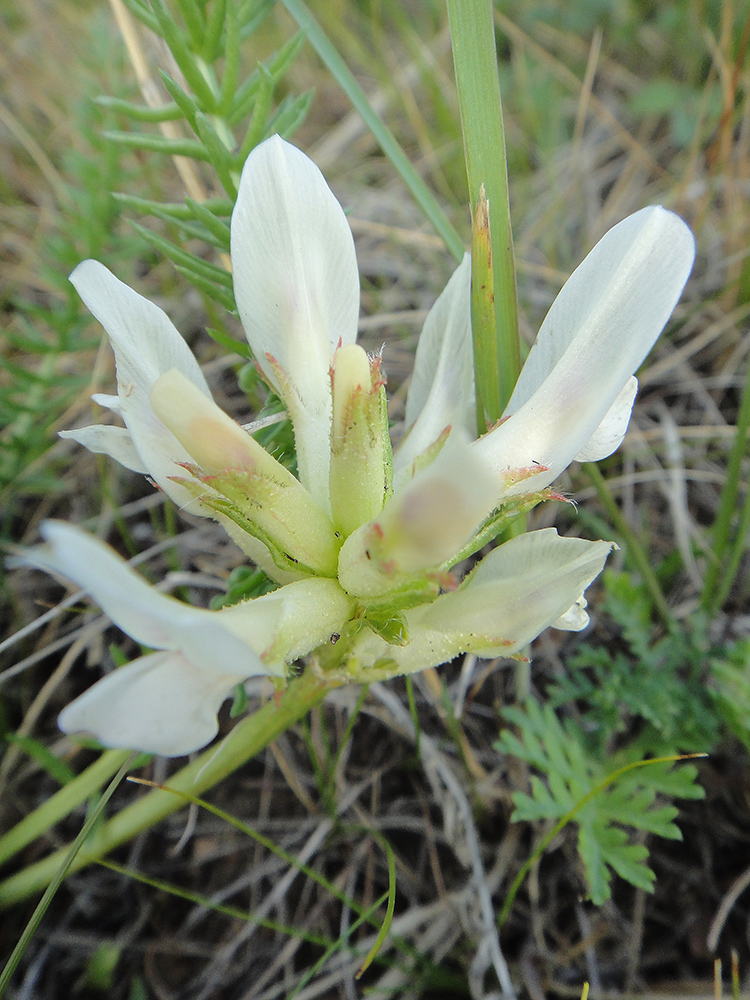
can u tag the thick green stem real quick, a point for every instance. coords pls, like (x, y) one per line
(494, 312)
(62, 803)
(245, 741)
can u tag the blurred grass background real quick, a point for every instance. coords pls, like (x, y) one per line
(609, 106)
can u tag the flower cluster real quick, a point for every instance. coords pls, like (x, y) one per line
(364, 543)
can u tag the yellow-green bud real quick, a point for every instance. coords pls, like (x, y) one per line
(260, 494)
(361, 467)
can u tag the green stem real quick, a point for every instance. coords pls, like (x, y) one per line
(65, 859)
(245, 741)
(635, 550)
(62, 803)
(387, 141)
(714, 592)
(494, 305)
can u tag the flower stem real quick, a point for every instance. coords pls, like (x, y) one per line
(245, 741)
(65, 859)
(494, 306)
(62, 803)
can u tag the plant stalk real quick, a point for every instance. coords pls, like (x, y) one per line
(494, 303)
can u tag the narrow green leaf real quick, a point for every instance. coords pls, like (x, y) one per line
(290, 114)
(143, 14)
(224, 298)
(62, 870)
(204, 901)
(387, 141)
(183, 56)
(55, 767)
(195, 22)
(158, 144)
(172, 211)
(185, 259)
(220, 157)
(483, 328)
(252, 15)
(230, 344)
(256, 130)
(181, 218)
(478, 86)
(140, 112)
(212, 45)
(220, 230)
(231, 60)
(185, 102)
(244, 99)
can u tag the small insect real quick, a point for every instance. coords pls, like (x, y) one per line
(335, 638)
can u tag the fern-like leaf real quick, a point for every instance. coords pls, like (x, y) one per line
(574, 785)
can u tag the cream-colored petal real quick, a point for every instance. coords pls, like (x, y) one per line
(148, 616)
(522, 587)
(598, 331)
(608, 436)
(103, 439)
(160, 703)
(441, 391)
(296, 286)
(146, 345)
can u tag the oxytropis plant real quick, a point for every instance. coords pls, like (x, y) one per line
(368, 546)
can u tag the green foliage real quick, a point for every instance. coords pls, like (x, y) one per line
(44, 757)
(100, 969)
(683, 105)
(646, 680)
(730, 674)
(217, 113)
(602, 797)
(48, 325)
(243, 584)
(650, 692)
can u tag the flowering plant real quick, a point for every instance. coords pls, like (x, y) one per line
(366, 544)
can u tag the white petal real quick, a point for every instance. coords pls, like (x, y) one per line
(297, 289)
(103, 439)
(441, 391)
(598, 331)
(160, 703)
(109, 402)
(608, 436)
(520, 588)
(574, 619)
(146, 345)
(148, 616)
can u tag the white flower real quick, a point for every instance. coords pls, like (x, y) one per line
(575, 393)
(572, 400)
(365, 544)
(166, 702)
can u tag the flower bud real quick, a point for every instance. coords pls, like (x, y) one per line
(246, 484)
(361, 463)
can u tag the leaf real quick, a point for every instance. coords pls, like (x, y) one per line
(574, 785)
(55, 767)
